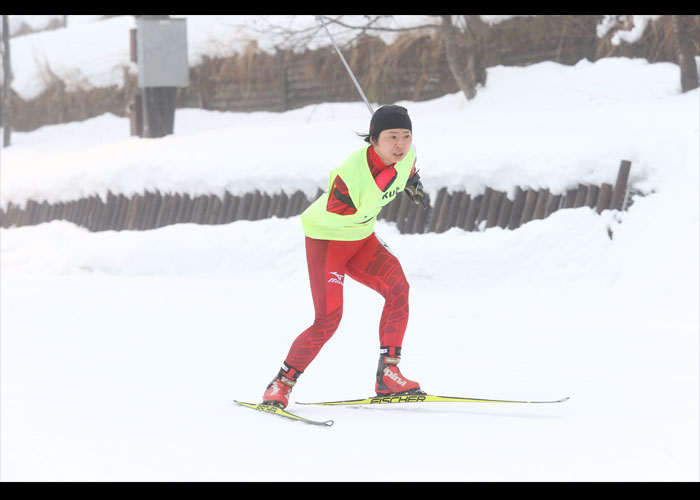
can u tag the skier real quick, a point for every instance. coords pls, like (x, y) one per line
(340, 241)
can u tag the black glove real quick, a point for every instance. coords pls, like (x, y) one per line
(414, 190)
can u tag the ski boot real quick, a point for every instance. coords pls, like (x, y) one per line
(278, 391)
(390, 380)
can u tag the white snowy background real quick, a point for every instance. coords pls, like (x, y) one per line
(121, 352)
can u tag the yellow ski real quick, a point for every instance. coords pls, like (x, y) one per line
(423, 398)
(275, 410)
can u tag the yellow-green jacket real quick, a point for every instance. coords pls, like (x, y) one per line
(368, 199)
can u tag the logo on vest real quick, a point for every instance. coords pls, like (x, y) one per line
(391, 194)
(337, 279)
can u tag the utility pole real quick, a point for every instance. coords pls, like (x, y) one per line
(6, 106)
(683, 29)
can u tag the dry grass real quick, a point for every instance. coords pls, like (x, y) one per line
(412, 68)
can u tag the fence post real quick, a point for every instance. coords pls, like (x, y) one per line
(282, 204)
(420, 218)
(404, 205)
(483, 209)
(529, 207)
(504, 212)
(230, 214)
(439, 213)
(494, 208)
(592, 196)
(473, 212)
(540, 204)
(462, 211)
(517, 211)
(620, 189)
(453, 209)
(581, 193)
(570, 198)
(604, 197)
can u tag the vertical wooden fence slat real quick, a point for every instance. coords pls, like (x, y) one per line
(438, 218)
(516, 212)
(189, 208)
(8, 217)
(206, 208)
(180, 211)
(553, 203)
(591, 196)
(148, 211)
(453, 209)
(83, 212)
(225, 204)
(4, 219)
(42, 212)
(410, 218)
(404, 205)
(175, 204)
(504, 213)
(233, 209)
(419, 219)
(529, 207)
(166, 204)
(28, 213)
(392, 210)
(158, 199)
(473, 213)
(604, 198)
(197, 208)
(282, 205)
(620, 189)
(299, 203)
(52, 211)
(570, 198)
(274, 201)
(92, 212)
(289, 208)
(215, 206)
(494, 208)
(254, 205)
(99, 219)
(133, 212)
(463, 209)
(264, 206)
(72, 211)
(110, 214)
(243, 207)
(540, 204)
(580, 196)
(484, 208)
(124, 212)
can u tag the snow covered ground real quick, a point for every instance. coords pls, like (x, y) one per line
(121, 352)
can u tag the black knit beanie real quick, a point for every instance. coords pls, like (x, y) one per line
(388, 117)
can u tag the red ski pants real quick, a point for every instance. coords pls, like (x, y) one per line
(367, 261)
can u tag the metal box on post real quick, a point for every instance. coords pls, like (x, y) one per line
(161, 50)
(161, 57)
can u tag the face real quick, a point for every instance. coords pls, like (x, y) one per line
(393, 145)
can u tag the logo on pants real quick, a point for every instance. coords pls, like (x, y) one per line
(338, 278)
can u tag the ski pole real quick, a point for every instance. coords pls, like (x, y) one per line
(354, 80)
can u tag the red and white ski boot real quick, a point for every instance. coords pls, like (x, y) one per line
(390, 380)
(278, 391)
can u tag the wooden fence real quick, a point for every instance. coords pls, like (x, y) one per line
(151, 210)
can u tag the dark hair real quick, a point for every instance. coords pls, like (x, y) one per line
(367, 137)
